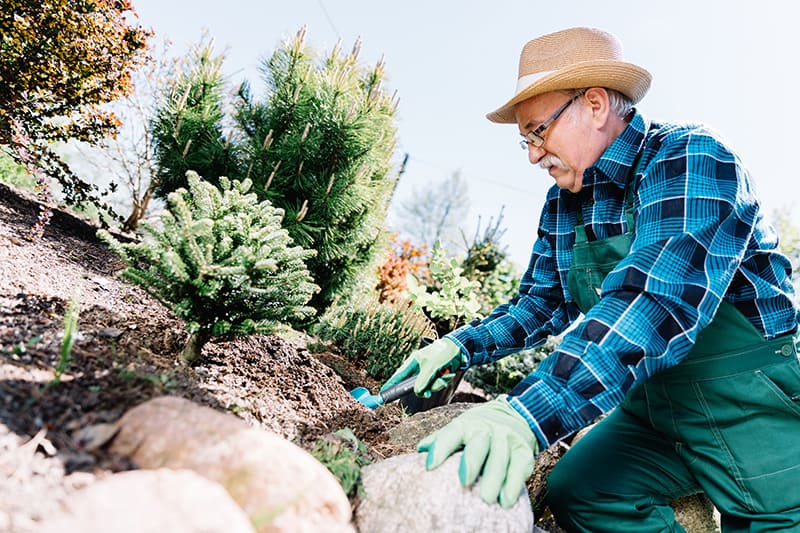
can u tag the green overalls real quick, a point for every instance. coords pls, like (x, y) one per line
(725, 421)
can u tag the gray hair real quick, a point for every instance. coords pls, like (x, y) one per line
(620, 104)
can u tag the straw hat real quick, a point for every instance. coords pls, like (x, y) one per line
(573, 59)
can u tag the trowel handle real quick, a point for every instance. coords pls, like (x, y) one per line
(401, 389)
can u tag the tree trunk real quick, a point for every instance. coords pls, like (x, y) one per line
(194, 346)
(139, 210)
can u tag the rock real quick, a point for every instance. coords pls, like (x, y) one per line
(696, 514)
(281, 487)
(400, 495)
(150, 501)
(414, 428)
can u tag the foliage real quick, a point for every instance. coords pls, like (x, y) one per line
(343, 455)
(128, 157)
(451, 299)
(222, 261)
(487, 263)
(501, 376)
(789, 242)
(378, 335)
(59, 61)
(13, 173)
(187, 130)
(317, 145)
(68, 340)
(404, 259)
(433, 215)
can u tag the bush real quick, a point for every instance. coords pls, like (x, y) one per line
(222, 262)
(318, 145)
(450, 299)
(378, 335)
(14, 174)
(487, 263)
(60, 62)
(404, 259)
(503, 375)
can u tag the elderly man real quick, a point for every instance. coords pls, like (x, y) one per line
(653, 245)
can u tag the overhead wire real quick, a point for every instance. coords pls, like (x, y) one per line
(327, 16)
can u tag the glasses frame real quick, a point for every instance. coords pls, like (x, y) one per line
(534, 137)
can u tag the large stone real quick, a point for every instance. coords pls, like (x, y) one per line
(405, 436)
(150, 501)
(695, 513)
(280, 486)
(400, 495)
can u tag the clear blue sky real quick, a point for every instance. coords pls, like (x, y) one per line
(731, 64)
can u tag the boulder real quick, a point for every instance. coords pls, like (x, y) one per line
(400, 495)
(150, 501)
(281, 487)
(695, 513)
(405, 436)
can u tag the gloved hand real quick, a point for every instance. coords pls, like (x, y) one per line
(498, 444)
(435, 365)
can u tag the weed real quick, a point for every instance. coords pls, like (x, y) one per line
(162, 381)
(70, 326)
(378, 335)
(343, 454)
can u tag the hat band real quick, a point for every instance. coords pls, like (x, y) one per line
(524, 81)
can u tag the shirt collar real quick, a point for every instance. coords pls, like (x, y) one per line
(617, 161)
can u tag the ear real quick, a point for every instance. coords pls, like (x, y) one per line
(597, 101)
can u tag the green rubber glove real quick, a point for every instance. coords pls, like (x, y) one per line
(498, 445)
(435, 365)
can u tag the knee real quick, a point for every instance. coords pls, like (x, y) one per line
(564, 496)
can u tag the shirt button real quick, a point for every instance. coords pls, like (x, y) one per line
(787, 350)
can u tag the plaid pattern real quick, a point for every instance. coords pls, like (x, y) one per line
(699, 237)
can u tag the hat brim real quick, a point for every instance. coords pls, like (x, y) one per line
(631, 80)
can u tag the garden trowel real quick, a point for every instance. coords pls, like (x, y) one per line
(389, 395)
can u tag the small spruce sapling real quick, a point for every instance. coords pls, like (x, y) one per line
(222, 262)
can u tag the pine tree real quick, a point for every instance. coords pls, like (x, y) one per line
(222, 262)
(318, 145)
(188, 126)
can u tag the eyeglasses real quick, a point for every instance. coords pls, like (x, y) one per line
(535, 137)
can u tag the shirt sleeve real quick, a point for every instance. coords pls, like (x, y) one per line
(695, 215)
(537, 311)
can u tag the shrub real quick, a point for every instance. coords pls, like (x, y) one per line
(222, 262)
(487, 263)
(318, 145)
(14, 174)
(503, 375)
(451, 299)
(378, 335)
(404, 259)
(60, 61)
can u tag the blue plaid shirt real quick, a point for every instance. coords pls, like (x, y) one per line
(699, 237)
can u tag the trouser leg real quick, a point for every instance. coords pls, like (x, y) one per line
(735, 434)
(742, 435)
(619, 478)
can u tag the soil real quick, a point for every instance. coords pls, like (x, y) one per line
(125, 352)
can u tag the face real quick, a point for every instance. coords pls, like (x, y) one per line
(572, 142)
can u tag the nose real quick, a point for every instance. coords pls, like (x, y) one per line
(535, 154)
